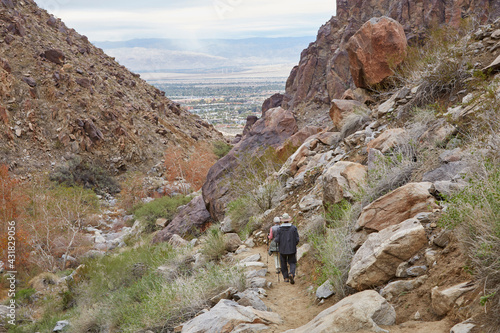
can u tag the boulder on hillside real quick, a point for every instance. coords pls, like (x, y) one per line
(340, 109)
(298, 139)
(397, 206)
(55, 56)
(443, 299)
(362, 311)
(341, 180)
(387, 140)
(228, 316)
(192, 218)
(377, 260)
(272, 102)
(375, 50)
(271, 130)
(232, 241)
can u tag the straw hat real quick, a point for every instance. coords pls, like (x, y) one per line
(285, 218)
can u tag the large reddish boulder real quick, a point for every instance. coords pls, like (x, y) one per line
(323, 71)
(272, 130)
(375, 50)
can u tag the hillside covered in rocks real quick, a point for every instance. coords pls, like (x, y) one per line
(62, 97)
(384, 151)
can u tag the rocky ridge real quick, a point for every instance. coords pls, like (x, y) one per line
(413, 268)
(324, 73)
(61, 97)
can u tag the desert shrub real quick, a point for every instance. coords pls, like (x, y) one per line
(135, 302)
(440, 66)
(214, 246)
(253, 224)
(164, 207)
(190, 167)
(132, 191)
(475, 215)
(54, 219)
(254, 178)
(390, 172)
(221, 148)
(87, 174)
(332, 247)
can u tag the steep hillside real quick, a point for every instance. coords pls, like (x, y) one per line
(62, 97)
(323, 71)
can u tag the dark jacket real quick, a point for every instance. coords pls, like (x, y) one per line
(287, 238)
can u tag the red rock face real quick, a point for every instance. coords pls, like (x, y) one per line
(375, 50)
(323, 72)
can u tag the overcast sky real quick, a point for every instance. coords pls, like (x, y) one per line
(115, 20)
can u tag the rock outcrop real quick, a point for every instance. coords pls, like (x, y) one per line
(228, 316)
(362, 311)
(375, 50)
(272, 130)
(376, 261)
(397, 206)
(192, 218)
(323, 72)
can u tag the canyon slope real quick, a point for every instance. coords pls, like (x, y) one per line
(61, 98)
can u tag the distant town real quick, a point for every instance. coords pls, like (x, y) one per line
(226, 105)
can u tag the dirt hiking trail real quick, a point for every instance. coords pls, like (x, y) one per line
(297, 304)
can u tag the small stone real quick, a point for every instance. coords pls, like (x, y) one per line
(401, 271)
(416, 271)
(417, 316)
(325, 290)
(60, 326)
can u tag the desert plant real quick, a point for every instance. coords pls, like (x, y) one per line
(55, 218)
(214, 247)
(164, 207)
(333, 248)
(87, 174)
(132, 191)
(190, 167)
(439, 66)
(254, 179)
(136, 302)
(221, 148)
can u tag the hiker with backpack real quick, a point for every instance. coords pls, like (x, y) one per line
(273, 246)
(287, 239)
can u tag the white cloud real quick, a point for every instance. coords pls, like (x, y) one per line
(197, 19)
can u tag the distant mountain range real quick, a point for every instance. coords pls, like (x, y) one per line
(177, 55)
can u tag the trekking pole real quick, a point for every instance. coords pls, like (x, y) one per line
(267, 250)
(279, 260)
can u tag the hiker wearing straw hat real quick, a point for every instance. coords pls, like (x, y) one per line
(287, 239)
(273, 247)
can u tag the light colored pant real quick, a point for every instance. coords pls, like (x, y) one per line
(276, 256)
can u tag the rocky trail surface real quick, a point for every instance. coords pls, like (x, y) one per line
(297, 305)
(294, 303)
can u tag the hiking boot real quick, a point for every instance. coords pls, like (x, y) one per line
(292, 281)
(286, 280)
(277, 271)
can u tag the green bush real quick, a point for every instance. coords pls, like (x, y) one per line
(475, 213)
(332, 247)
(214, 247)
(87, 174)
(164, 207)
(138, 297)
(221, 148)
